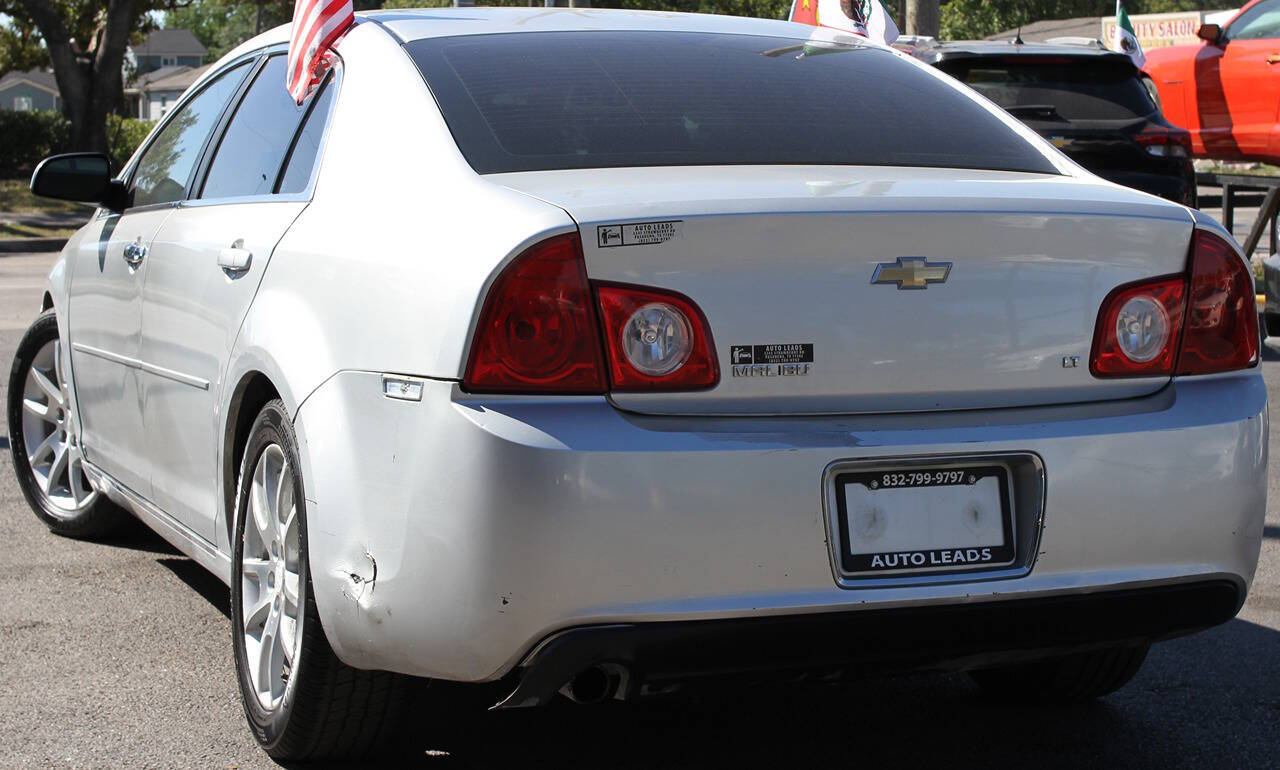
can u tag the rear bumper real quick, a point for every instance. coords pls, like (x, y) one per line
(950, 636)
(450, 537)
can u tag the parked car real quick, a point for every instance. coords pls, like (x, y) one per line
(1226, 90)
(1089, 102)
(590, 354)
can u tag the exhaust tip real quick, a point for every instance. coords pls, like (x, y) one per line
(594, 685)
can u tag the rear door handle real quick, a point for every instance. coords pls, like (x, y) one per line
(1273, 58)
(236, 258)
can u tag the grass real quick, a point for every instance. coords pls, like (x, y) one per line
(1220, 167)
(9, 230)
(16, 197)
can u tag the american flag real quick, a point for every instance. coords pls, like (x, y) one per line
(317, 24)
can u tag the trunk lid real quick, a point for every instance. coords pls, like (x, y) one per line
(785, 256)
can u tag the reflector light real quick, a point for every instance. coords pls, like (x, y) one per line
(655, 340)
(1142, 328)
(537, 332)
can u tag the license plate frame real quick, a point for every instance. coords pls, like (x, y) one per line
(853, 567)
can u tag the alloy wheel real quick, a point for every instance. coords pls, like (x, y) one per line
(52, 436)
(271, 609)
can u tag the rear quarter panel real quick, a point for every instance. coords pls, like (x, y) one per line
(384, 269)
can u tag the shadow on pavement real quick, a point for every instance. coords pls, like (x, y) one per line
(1271, 530)
(1207, 700)
(4, 442)
(137, 536)
(200, 580)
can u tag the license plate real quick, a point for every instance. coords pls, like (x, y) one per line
(924, 519)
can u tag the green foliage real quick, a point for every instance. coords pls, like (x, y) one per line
(764, 9)
(123, 137)
(20, 50)
(224, 24)
(29, 137)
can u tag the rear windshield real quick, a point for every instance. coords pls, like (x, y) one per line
(569, 100)
(1076, 88)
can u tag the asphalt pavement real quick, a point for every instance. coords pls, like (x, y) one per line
(119, 654)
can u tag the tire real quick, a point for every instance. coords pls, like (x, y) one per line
(1272, 323)
(44, 440)
(1077, 677)
(318, 708)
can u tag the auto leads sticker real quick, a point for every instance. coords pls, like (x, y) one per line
(638, 234)
(778, 360)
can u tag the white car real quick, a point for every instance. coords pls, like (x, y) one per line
(597, 352)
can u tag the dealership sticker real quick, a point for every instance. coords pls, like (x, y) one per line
(792, 359)
(638, 234)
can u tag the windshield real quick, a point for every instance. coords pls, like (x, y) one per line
(568, 100)
(1076, 88)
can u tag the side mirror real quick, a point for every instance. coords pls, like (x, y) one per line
(84, 177)
(1210, 33)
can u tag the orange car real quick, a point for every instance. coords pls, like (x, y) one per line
(1226, 90)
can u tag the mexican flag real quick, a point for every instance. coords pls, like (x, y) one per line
(866, 18)
(1125, 40)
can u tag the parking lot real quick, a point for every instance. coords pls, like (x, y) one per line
(120, 654)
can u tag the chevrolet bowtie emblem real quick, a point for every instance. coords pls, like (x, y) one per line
(911, 272)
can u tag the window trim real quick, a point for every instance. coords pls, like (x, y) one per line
(1241, 21)
(126, 174)
(332, 80)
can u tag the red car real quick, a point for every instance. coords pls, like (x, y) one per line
(1226, 90)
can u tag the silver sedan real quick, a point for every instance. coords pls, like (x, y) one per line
(593, 354)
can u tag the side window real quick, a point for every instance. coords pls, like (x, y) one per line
(1259, 23)
(303, 157)
(254, 146)
(165, 166)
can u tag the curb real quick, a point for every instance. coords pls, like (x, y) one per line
(29, 245)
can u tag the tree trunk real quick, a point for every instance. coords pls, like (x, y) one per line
(89, 72)
(923, 17)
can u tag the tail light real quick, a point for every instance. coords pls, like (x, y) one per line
(1165, 142)
(1199, 323)
(656, 340)
(538, 332)
(1222, 310)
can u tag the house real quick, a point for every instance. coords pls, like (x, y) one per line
(168, 48)
(30, 90)
(152, 95)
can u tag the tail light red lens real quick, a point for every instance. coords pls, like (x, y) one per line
(1173, 143)
(1222, 312)
(1200, 323)
(655, 340)
(1138, 329)
(537, 332)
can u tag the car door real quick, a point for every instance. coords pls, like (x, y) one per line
(108, 276)
(1250, 71)
(206, 264)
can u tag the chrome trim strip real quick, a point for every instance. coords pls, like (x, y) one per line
(1023, 561)
(179, 535)
(159, 371)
